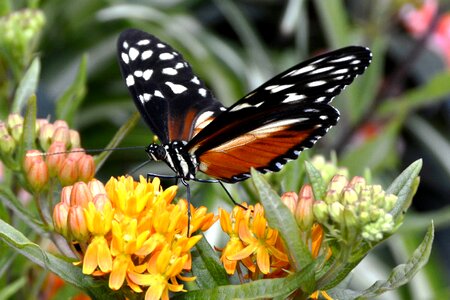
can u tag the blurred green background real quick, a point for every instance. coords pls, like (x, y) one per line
(397, 112)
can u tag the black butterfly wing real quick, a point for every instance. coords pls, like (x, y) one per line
(275, 122)
(171, 99)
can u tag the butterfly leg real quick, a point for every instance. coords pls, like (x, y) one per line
(188, 197)
(153, 175)
(231, 197)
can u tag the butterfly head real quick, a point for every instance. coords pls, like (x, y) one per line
(156, 152)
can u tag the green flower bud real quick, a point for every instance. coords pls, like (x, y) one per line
(13, 120)
(17, 132)
(320, 210)
(337, 212)
(7, 144)
(3, 129)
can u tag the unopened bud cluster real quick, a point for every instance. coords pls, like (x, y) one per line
(326, 168)
(68, 215)
(352, 210)
(19, 33)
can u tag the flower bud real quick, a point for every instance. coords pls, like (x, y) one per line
(13, 120)
(304, 210)
(290, 199)
(3, 129)
(74, 137)
(54, 162)
(320, 210)
(39, 124)
(61, 134)
(60, 213)
(76, 153)
(68, 173)
(337, 212)
(100, 201)
(65, 194)
(37, 175)
(16, 132)
(7, 144)
(349, 196)
(81, 195)
(45, 135)
(31, 157)
(86, 168)
(77, 224)
(337, 183)
(60, 123)
(357, 183)
(96, 187)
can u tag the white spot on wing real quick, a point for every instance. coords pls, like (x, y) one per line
(321, 70)
(316, 83)
(138, 73)
(323, 117)
(147, 74)
(241, 106)
(195, 80)
(169, 71)
(166, 56)
(143, 42)
(125, 45)
(176, 88)
(146, 54)
(133, 53)
(293, 97)
(202, 92)
(300, 71)
(158, 94)
(125, 58)
(342, 59)
(160, 45)
(147, 97)
(129, 80)
(203, 117)
(277, 88)
(179, 65)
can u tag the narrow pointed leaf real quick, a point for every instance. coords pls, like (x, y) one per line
(29, 129)
(69, 102)
(27, 86)
(319, 187)
(206, 266)
(280, 218)
(402, 186)
(264, 288)
(64, 269)
(12, 288)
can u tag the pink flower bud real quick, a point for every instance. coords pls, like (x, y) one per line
(60, 123)
(39, 124)
(100, 200)
(74, 139)
(60, 213)
(81, 195)
(45, 135)
(61, 134)
(32, 157)
(37, 175)
(304, 210)
(290, 199)
(77, 224)
(86, 168)
(54, 162)
(96, 187)
(65, 194)
(68, 173)
(76, 153)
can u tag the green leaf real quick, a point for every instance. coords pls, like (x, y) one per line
(433, 91)
(69, 102)
(316, 180)
(64, 269)
(29, 129)
(264, 288)
(12, 288)
(8, 198)
(281, 218)
(403, 273)
(118, 137)
(27, 86)
(334, 19)
(436, 144)
(207, 267)
(403, 186)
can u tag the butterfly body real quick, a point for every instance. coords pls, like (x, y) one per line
(265, 129)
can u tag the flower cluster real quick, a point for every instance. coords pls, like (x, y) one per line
(131, 231)
(19, 33)
(354, 211)
(252, 242)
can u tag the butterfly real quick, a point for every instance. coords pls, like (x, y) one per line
(266, 128)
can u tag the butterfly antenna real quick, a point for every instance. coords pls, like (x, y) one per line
(134, 170)
(231, 197)
(86, 151)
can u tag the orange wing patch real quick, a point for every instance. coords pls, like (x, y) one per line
(254, 149)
